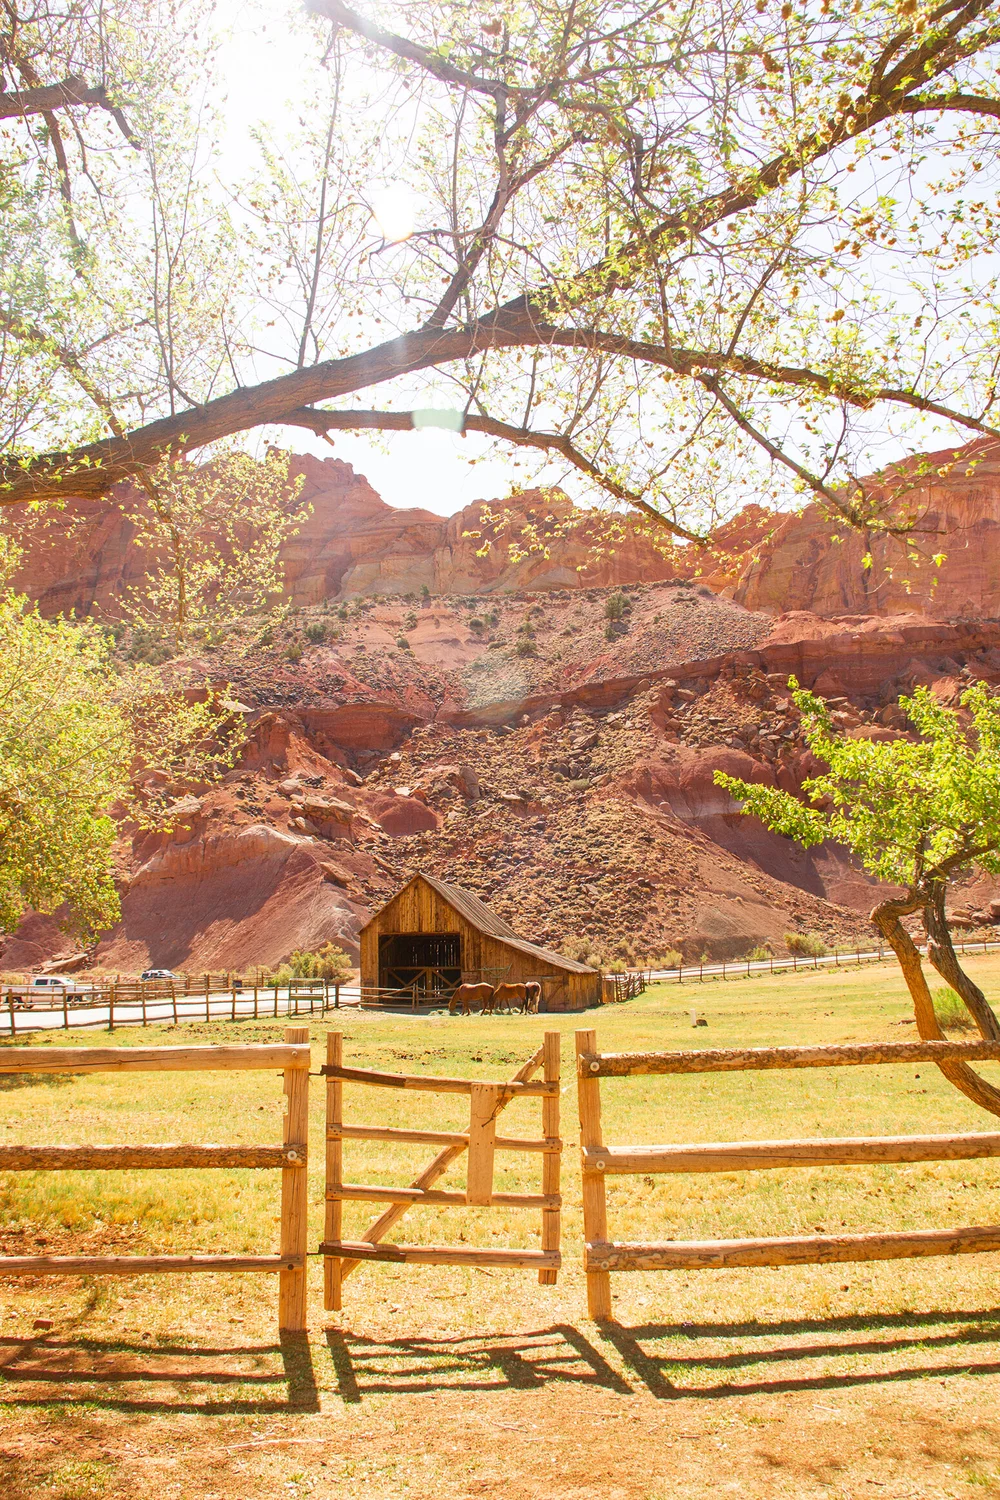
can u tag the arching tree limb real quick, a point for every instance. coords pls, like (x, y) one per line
(941, 952)
(887, 918)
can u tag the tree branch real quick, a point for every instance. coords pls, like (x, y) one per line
(323, 422)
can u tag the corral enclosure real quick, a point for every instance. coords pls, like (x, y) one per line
(432, 935)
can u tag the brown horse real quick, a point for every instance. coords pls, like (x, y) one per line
(468, 995)
(522, 997)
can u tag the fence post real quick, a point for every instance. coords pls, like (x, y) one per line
(143, 1000)
(232, 996)
(10, 1006)
(334, 1208)
(173, 999)
(65, 999)
(255, 1001)
(336, 997)
(294, 1193)
(595, 1206)
(111, 1006)
(551, 1217)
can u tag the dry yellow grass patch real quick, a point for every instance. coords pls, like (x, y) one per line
(826, 1380)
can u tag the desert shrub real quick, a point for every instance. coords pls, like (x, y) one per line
(525, 647)
(148, 645)
(315, 632)
(425, 592)
(403, 643)
(952, 1012)
(615, 606)
(809, 944)
(617, 966)
(343, 613)
(328, 962)
(673, 958)
(411, 621)
(492, 619)
(293, 651)
(477, 625)
(760, 954)
(582, 950)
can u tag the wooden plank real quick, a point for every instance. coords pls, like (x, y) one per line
(333, 1226)
(754, 1059)
(483, 1106)
(792, 1250)
(138, 1265)
(156, 1158)
(294, 1191)
(435, 1169)
(428, 1083)
(552, 1160)
(750, 1156)
(439, 1255)
(595, 1208)
(364, 1192)
(151, 1059)
(441, 1137)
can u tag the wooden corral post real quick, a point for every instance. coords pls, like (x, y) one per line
(334, 1222)
(551, 1217)
(294, 1193)
(595, 1205)
(482, 1137)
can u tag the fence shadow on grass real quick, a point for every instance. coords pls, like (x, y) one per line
(483, 1363)
(125, 1376)
(682, 1370)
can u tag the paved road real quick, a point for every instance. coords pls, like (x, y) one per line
(735, 968)
(190, 1008)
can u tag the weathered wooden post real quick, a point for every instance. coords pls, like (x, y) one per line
(334, 1220)
(595, 1208)
(551, 1217)
(294, 1192)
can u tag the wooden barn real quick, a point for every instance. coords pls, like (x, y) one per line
(432, 935)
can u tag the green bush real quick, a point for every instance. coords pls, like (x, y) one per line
(315, 632)
(328, 962)
(673, 958)
(403, 643)
(952, 1012)
(411, 621)
(760, 954)
(148, 645)
(583, 950)
(615, 605)
(809, 944)
(477, 625)
(293, 652)
(525, 647)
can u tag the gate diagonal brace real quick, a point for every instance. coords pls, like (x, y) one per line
(341, 1257)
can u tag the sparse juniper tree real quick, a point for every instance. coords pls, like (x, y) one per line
(687, 249)
(917, 813)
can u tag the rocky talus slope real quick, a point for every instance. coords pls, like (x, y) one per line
(555, 761)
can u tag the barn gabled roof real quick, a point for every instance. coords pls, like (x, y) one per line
(487, 920)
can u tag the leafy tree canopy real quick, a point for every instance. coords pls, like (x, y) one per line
(691, 250)
(916, 812)
(79, 742)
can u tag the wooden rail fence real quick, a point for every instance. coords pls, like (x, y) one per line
(291, 1057)
(480, 1140)
(599, 1160)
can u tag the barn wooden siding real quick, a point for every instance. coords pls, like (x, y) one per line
(428, 906)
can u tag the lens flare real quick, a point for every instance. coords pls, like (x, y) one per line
(394, 212)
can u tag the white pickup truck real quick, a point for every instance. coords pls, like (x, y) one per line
(49, 989)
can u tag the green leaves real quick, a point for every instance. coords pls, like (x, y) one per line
(915, 809)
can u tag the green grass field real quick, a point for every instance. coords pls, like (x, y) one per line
(734, 1346)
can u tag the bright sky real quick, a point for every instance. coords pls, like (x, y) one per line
(430, 469)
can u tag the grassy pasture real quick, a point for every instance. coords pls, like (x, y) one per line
(833, 1380)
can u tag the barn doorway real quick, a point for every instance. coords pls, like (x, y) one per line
(420, 963)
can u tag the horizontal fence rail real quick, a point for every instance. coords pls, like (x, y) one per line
(291, 1058)
(599, 1161)
(478, 1143)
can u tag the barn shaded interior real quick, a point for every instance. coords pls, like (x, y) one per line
(431, 961)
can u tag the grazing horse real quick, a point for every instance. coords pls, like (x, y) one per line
(523, 997)
(467, 995)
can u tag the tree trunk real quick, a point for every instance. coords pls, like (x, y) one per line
(941, 952)
(887, 919)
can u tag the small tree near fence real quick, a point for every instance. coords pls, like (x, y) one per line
(917, 813)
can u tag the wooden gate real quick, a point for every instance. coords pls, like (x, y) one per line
(599, 1161)
(480, 1139)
